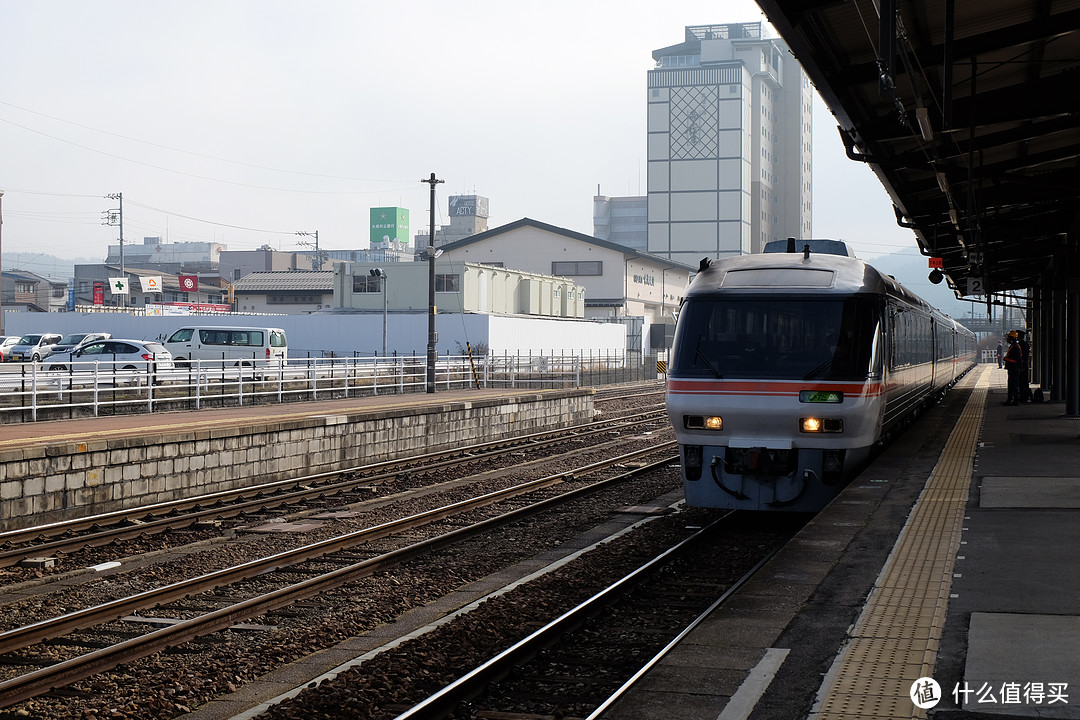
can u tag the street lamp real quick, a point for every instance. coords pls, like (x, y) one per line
(381, 274)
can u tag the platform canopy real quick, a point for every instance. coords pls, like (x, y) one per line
(968, 112)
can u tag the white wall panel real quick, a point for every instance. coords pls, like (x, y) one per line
(733, 205)
(731, 143)
(658, 207)
(360, 334)
(693, 206)
(659, 238)
(658, 177)
(659, 117)
(731, 174)
(658, 146)
(693, 175)
(685, 237)
(731, 112)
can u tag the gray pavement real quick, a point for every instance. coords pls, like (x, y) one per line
(1012, 632)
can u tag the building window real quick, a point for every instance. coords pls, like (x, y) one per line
(580, 267)
(366, 284)
(447, 283)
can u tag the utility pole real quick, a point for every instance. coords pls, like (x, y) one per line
(116, 217)
(381, 274)
(316, 264)
(431, 255)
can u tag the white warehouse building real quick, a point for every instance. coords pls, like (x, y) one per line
(620, 282)
(459, 287)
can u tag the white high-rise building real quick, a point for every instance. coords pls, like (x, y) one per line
(729, 151)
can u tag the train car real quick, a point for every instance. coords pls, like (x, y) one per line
(789, 368)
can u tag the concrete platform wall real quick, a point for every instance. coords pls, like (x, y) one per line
(48, 483)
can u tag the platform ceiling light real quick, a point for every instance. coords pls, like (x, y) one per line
(925, 128)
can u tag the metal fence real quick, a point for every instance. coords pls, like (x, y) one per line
(32, 391)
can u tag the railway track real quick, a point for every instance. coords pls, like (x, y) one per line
(42, 545)
(227, 598)
(580, 660)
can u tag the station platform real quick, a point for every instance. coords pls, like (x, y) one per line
(49, 432)
(57, 470)
(943, 582)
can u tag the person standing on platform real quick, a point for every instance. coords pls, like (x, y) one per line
(1013, 359)
(1025, 366)
(1000, 355)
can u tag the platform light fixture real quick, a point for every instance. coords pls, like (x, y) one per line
(922, 115)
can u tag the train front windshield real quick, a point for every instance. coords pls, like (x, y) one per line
(792, 339)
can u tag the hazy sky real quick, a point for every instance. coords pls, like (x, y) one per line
(245, 121)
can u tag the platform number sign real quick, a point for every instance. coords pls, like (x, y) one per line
(975, 286)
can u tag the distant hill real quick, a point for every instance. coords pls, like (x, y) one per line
(47, 266)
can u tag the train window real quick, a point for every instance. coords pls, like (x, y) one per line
(799, 338)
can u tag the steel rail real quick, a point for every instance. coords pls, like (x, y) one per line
(269, 495)
(444, 702)
(26, 686)
(655, 659)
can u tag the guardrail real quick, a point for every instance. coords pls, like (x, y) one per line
(32, 391)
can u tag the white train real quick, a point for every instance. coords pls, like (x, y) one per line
(788, 368)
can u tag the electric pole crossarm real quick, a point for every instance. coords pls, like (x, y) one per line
(116, 217)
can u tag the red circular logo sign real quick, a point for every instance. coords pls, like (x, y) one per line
(187, 283)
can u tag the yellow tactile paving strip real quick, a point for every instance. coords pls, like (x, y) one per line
(895, 640)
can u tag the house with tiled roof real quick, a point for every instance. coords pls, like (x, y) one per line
(289, 292)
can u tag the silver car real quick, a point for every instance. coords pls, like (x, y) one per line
(114, 354)
(73, 341)
(6, 343)
(32, 347)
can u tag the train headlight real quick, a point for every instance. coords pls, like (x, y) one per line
(821, 425)
(701, 422)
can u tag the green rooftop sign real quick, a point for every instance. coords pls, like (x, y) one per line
(389, 225)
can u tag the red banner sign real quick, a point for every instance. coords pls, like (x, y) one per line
(188, 283)
(99, 293)
(935, 262)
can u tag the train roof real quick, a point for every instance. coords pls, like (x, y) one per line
(796, 273)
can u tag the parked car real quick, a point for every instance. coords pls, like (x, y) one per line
(6, 343)
(240, 345)
(73, 341)
(31, 346)
(114, 354)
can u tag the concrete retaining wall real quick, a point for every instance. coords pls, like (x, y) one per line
(48, 483)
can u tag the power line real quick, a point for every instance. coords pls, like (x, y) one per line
(196, 154)
(192, 175)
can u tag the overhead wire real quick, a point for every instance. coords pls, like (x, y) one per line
(196, 154)
(192, 175)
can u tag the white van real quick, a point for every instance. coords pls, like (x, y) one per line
(241, 345)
